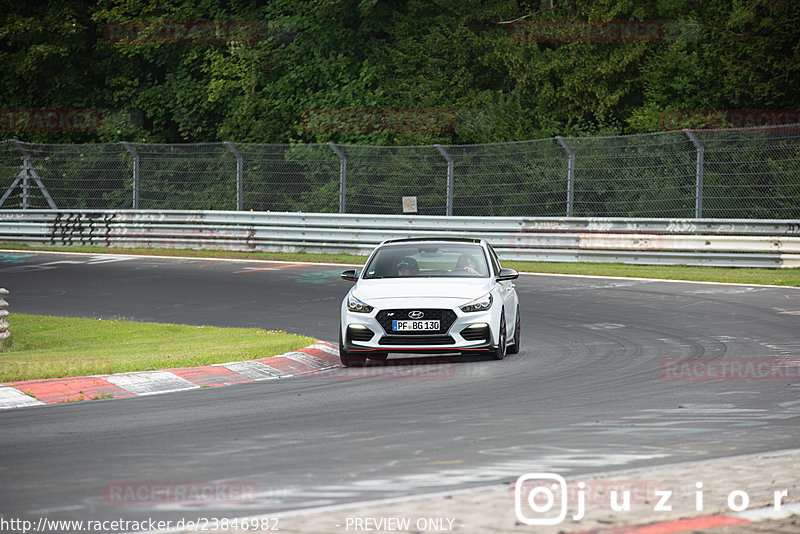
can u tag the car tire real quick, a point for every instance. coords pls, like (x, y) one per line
(500, 352)
(514, 347)
(346, 358)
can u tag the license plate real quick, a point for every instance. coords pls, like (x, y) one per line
(411, 326)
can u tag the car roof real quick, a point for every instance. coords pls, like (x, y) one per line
(475, 241)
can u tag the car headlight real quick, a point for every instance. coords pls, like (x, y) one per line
(481, 304)
(355, 305)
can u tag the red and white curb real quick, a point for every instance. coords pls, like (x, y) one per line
(316, 357)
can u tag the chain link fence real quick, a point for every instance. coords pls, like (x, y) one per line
(749, 173)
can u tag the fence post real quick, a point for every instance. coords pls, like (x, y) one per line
(22, 176)
(29, 171)
(135, 155)
(698, 181)
(450, 178)
(570, 174)
(4, 333)
(342, 177)
(239, 176)
(10, 189)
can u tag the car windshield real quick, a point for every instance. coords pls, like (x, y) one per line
(427, 260)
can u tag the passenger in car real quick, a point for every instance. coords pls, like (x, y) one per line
(467, 263)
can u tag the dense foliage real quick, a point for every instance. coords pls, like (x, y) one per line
(455, 57)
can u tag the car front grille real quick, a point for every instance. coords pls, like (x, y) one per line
(446, 318)
(416, 340)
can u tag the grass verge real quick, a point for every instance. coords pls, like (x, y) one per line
(303, 257)
(50, 347)
(739, 275)
(731, 275)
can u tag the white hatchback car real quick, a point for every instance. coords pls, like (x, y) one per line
(434, 296)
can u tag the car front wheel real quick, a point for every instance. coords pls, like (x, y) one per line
(515, 345)
(500, 352)
(347, 359)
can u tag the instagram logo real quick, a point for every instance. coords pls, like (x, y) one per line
(539, 490)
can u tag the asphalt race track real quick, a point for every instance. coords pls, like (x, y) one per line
(588, 393)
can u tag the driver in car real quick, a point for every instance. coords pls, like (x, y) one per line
(404, 269)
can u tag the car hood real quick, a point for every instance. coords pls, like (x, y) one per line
(422, 288)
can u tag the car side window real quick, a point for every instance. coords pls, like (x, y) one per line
(495, 260)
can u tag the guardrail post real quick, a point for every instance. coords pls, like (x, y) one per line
(239, 176)
(698, 185)
(135, 155)
(450, 178)
(342, 177)
(570, 174)
(4, 333)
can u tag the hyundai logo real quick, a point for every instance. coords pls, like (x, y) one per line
(416, 315)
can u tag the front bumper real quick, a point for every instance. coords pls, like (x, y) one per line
(371, 333)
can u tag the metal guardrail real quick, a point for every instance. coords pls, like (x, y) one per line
(4, 333)
(717, 242)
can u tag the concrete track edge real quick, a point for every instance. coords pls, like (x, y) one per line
(491, 509)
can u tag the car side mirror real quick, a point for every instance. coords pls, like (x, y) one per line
(351, 275)
(507, 274)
